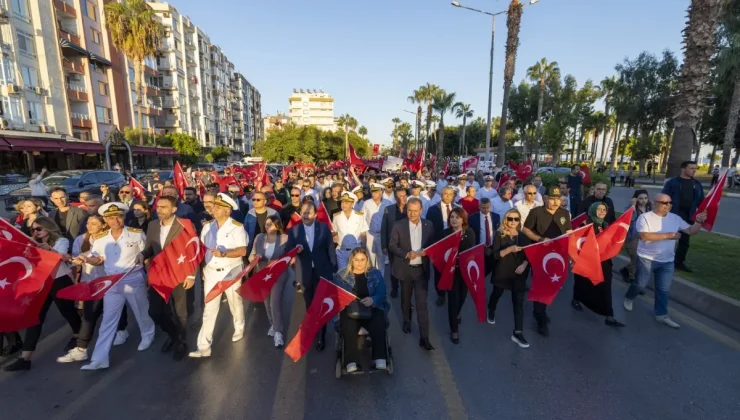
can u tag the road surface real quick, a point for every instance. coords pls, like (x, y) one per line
(584, 370)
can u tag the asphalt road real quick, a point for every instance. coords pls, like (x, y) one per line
(584, 370)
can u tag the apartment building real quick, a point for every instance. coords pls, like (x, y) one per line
(274, 122)
(247, 113)
(312, 107)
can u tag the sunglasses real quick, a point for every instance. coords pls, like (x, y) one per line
(38, 229)
(257, 200)
(512, 219)
(295, 195)
(124, 192)
(665, 203)
(531, 193)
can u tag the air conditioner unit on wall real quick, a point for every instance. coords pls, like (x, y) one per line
(14, 89)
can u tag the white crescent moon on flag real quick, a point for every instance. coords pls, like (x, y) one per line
(330, 305)
(284, 260)
(106, 284)
(580, 243)
(7, 235)
(626, 229)
(447, 254)
(22, 261)
(550, 256)
(197, 248)
(473, 264)
(581, 174)
(253, 174)
(528, 168)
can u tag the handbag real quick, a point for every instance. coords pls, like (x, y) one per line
(356, 310)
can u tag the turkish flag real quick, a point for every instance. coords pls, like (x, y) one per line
(473, 269)
(585, 173)
(176, 261)
(223, 183)
(612, 238)
(93, 290)
(11, 233)
(25, 281)
(137, 188)
(215, 179)
(443, 254)
(286, 174)
(295, 218)
(180, 179)
(470, 164)
(257, 287)
(419, 161)
(376, 149)
(524, 170)
(354, 159)
(710, 204)
(549, 261)
(323, 216)
(262, 178)
(201, 189)
(513, 165)
(579, 220)
(224, 285)
(446, 166)
(328, 302)
(583, 249)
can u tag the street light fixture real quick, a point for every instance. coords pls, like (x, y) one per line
(490, 71)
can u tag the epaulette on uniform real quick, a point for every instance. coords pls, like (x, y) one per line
(359, 212)
(236, 223)
(101, 234)
(135, 230)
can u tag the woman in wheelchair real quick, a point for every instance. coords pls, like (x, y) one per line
(368, 312)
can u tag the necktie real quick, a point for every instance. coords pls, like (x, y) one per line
(488, 232)
(449, 212)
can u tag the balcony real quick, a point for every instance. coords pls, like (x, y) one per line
(64, 8)
(169, 103)
(69, 36)
(167, 47)
(165, 65)
(188, 25)
(152, 109)
(151, 90)
(190, 45)
(77, 93)
(73, 66)
(81, 120)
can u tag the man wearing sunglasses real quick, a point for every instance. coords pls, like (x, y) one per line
(529, 202)
(126, 195)
(292, 207)
(254, 223)
(599, 197)
(656, 251)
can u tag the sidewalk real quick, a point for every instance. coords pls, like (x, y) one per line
(660, 187)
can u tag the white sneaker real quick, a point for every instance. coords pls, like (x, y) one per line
(75, 355)
(121, 337)
(95, 366)
(145, 343)
(380, 364)
(665, 320)
(278, 340)
(352, 367)
(270, 332)
(238, 335)
(628, 304)
(200, 353)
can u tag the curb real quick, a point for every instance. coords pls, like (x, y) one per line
(660, 187)
(707, 302)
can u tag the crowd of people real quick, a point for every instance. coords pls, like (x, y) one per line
(379, 221)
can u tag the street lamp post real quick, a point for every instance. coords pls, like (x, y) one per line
(418, 114)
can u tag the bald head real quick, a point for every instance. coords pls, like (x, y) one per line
(662, 204)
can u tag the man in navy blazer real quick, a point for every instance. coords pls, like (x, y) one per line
(438, 214)
(317, 259)
(391, 215)
(411, 266)
(477, 224)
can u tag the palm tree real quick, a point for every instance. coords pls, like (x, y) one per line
(541, 73)
(728, 65)
(443, 102)
(395, 121)
(347, 122)
(607, 90)
(513, 22)
(136, 33)
(362, 131)
(463, 111)
(425, 95)
(405, 133)
(699, 41)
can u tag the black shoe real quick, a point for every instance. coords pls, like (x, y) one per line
(72, 343)
(394, 293)
(298, 287)
(625, 274)
(613, 323)
(167, 346)
(684, 268)
(519, 339)
(455, 338)
(441, 300)
(425, 344)
(320, 345)
(407, 327)
(542, 329)
(180, 352)
(18, 365)
(491, 318)
(576, 305)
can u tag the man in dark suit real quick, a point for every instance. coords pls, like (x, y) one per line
(68, 218)
(411, 266)
(391, 215)
(317, 259)
(438, 214)
(159, 310)
(484, 225)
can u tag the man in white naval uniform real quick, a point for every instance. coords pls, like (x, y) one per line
(390, 187)
(226, 242)
(351, 229)
(416, 191)
(372, 210)
(117, 250)
(461, 187)
(487, 191)
(431, 193)
(441, 181)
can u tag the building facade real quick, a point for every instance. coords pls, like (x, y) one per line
(312, 107)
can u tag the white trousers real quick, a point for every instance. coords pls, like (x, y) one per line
(375, 251)
(210, 310)
(134, 291)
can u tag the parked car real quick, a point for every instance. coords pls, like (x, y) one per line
(560, 170)
(147, 177)
(206, 167)
(74, 181)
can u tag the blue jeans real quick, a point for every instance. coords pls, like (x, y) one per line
(663, 272)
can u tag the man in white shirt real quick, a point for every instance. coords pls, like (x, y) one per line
(487, 191)
(351, 229)
(520, 196)
(461, 187)
(471, 181)
(389, 185)
(308, 190)
(529, 202)
(372, 210)
(503, 202)
(441, 182)
(416, 191)
(431, 194)
(659, 230)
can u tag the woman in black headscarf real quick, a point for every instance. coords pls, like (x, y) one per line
(597, 298)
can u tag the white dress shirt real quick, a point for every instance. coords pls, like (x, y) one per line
(444, 208)
(525, 208)
(310, 234)
(486, 193)
(486, 219)
(520, 197)
(120, 254)
(164, 230)
(373, 213)
(415, 232)
(349, 229)
(230, 235)
(500, 207)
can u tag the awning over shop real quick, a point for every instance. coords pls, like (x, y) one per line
(33, 145)
(4, 146)
(100, 60)
(82, 147)
(161, 151)
(72, 46)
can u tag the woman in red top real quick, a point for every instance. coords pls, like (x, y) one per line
(469, 203)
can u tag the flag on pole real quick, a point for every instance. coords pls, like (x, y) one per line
(443, 254)
(710, 204)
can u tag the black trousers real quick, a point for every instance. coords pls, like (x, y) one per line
(12, 339)
(418, 285)
(517, 302)
(614, 180)
(455, 301)
(375, 326)
(394, 279)
(66, 308)
(682, 249)
(175, 325)
(91, 312)
(437, 276)
(540, 312)
(309, 291)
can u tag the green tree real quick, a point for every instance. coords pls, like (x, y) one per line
(405, 133)
(425, 95)
(362, 131)
(728, 69)
(607, 90)
(186, 145)
(463, 111)
(541, 73)
(513, 23)
(135, 31)
(220, 153)
(523, 104)
(394, 134)
(346, 122)
(442, 103)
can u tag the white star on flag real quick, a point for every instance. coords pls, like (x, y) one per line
(452, 270)
(26, 301)
(3, 283)
(268, 277)
(181, 259)
(555, 278)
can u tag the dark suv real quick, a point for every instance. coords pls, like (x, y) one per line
(74, 181)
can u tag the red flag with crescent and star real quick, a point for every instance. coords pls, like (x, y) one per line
(579, 220)
(180, 179)
(443, 254)
(224, 285)
(710, 204)
(354, 159)
(583, 249)
(549, 261)
(473, 269)
(585, 173)
(25, 281)
(328, 301)
(295, 218)
(11, 233)
(524, 170)
(259, 285)
(470, 164)
(323, 216)
(137, 188)
(94, 289)
(178, 260)
(612, 238)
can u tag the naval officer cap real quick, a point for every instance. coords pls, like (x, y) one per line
(357, 189)
(376, 187)
(112, 209)
(223, 200)
(348, 197)
(417, 184)
(431, 184)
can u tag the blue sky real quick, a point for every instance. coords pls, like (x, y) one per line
(371, 54)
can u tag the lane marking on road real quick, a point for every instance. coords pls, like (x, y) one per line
(289, 401)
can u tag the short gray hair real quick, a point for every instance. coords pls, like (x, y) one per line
(448, 188)
(503, 190)
(416, 200)
(484, 201)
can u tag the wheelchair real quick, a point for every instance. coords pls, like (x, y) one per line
(363, 341)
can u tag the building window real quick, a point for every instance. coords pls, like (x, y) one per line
(91, 10)
(8, 71)
(97, 37)
(25, 44)
(179, 63)
(35, 112)
(20, 8)
(177, 45)
(103, 88)
(105, 115)
(131, 75)
(30, 76)
(12, 109)
(82, 134)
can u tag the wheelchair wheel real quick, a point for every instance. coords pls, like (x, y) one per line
(338, 369)
(389, 367)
